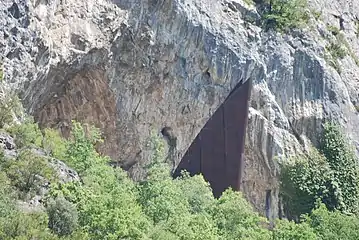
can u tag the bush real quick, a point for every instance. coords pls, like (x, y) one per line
(1, 74)
(62, 216)
(8, 107)
(285, 230)
(284, 15)
(334, 30)
(304, 179)
(333, 225)
(28, 172)
(331, 176)
(81, 153)
(236, 219)
(342, 160)
(27, 134)
(54, 144)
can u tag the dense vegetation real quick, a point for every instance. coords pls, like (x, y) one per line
(330, 175)
(282, 15)
(107, 204)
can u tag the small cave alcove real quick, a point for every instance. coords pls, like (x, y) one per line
(218, 150)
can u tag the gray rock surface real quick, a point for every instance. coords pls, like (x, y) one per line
(131, 67)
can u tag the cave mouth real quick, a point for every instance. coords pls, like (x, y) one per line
(218, 150)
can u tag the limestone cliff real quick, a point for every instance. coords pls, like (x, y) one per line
(131, 66)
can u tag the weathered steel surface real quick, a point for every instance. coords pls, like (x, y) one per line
(218, 150)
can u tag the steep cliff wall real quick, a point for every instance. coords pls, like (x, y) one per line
(132, 66)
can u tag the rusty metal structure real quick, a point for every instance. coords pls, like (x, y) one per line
(218, 150)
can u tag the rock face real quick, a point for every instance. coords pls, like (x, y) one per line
(131, 67)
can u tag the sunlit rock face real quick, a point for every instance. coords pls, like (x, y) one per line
(132, 67)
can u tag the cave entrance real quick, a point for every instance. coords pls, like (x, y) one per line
(218, 150)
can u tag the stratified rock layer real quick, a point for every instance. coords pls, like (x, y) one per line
(130, 67)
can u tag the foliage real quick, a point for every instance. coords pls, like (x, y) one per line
(171, 205)
(27, 134)
(285, 230)
(62, 216)
(54, 144)
(344, 163)
(284, 15)
(303, 180)
(107, 200)
(107, 204)
(338, 49)
(341, 39)
(197, 192)
(9, 106)
(317, 15)
(82, 154)
(236, 219)
(330, 176)
(333, 225)
(28, 172)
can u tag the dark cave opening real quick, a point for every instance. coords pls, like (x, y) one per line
(218, 150)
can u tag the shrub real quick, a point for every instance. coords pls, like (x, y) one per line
(285, 230)
(332, 177)
(27, 134)
(9, 106)
(28, 172)
(336, 50)
(54, 144)
(304, 179)
(236, 219)
(330, 225)
(284, 15)
(81, 153)
(62, 216)
(344, 164)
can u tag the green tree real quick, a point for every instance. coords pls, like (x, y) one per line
(54, 144)
(236, 219)
(107, 200)
(330, 176)
(197, 192)
(285, 230)
(329, 225)
(81, 153)
(62, 216)
(9, 106)
(173, 207)
(27, 134)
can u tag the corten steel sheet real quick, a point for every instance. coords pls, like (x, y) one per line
(212, 152)
(188, 161)
(217, 151)
(235, 115)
